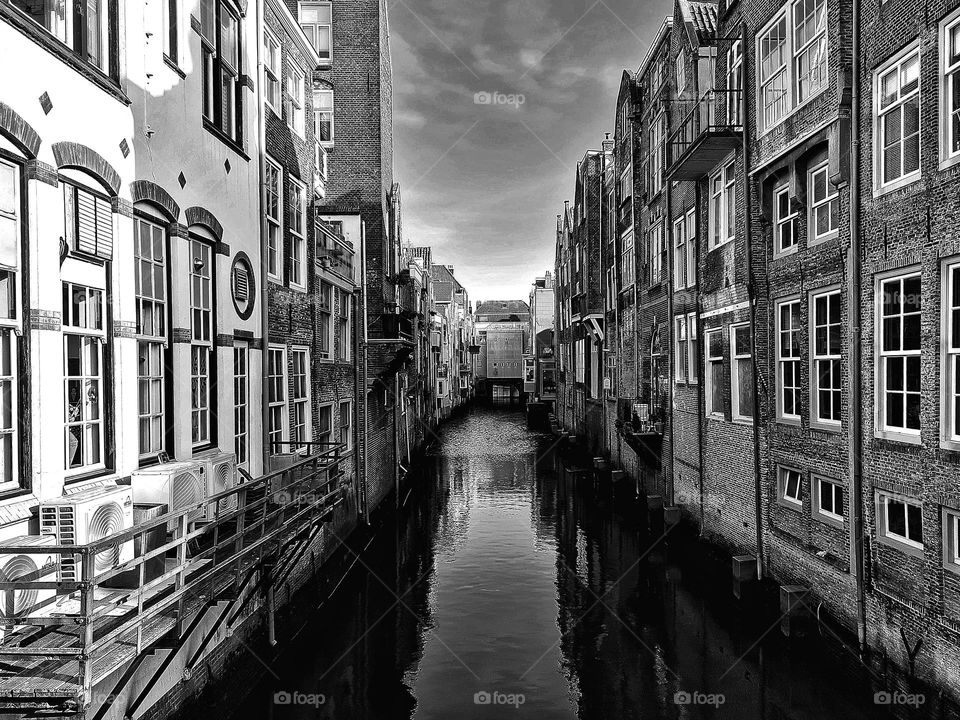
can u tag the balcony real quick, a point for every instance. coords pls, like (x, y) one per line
(334, 254)
(396, 327)
(709, 128)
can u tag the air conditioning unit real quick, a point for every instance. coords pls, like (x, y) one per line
(86, 517)
(174, 484)
(37, 567)
(219, 475)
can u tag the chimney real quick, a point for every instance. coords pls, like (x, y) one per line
(607, 143)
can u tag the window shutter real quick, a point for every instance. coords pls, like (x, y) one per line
(86, 223)
(241, 288)
(104, 230)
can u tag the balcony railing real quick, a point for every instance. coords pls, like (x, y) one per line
(397, 327)
(708, 129)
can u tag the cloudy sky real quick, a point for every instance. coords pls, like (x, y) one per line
(483, 182)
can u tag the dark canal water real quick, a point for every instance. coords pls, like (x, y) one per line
(503, 583)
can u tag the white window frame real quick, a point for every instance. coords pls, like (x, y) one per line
(681, 349)
(681, 72)
(241, 403)
(324, 61)
(737, 412)
(691, 258)
(881, 429)
(277, 403)
(295, 98)
(272, 71)
(787, 69)
(734, 86)
(342, 319)
(326, 309)
(300, 416)
(10, 326)
(796, 327)
(897, 62)
(884, 501)
(319, 113)
(784, 476)
(679, 253)
(722, 201)
(950, 520)
(829, 201)
(710, 384)
(950, 355)
(202, 343)
(693, 350)
(784, 226)
(818, 483)
(325, 436)
(658, 254)
(274, 224)
(348, 445)
(819, 356)
(949, 76)
(628, 261)
(298, 239)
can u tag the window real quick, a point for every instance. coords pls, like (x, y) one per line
(271, 71)
(627, 261)
(150, 257)
(792, 59)
(824, 204)
(89, 222)
(723, 206)
(693, 349)
(325, 320)
(300, 399)
(950, 90)
(84, 27)
(788, 360)
(657, 133)
(315, 19)
(295, 99)
(325, 425)
(220, 43)
(241, 404)
(734, 84)
(658, 254)
(691, 259)
(898, 374)
(681, 361)
(201, 347)
(273, 189)
(784, 216)
(84, 337)
(343, 325)
(897, 121)
(829, 498)
(951, 353)
(681, 73)
(714, 370)
(171, 12)
(901, 520)
(679, 253)
(323, 116)
(741, 372)
(346, 436)
(277, 398)
(951, 544)
(298, 230)
(827, 381)
(791, 485)
(10, 233)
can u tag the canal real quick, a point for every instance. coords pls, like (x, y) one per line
(502, 591)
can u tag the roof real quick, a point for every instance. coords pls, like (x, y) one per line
(442, 291)
(703, 17)
(503, 308)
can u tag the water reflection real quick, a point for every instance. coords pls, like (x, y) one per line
(502, 579)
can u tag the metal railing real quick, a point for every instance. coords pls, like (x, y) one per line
(718, 111)
(246, 522)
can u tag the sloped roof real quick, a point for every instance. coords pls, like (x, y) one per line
(702, 16)
(503, 307)
(442, 291)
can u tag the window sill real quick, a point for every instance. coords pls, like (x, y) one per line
(80, 477)
(172, 64)
(953, 445)
(792, 421)
(951, 567)
(901, 546)
(906, 438)
(833, 235)
(797, 507)
(742, 421)
(49, 43)
(793, 111)
(945, 164)
(832, 521)
(225, 139)
(722, 244)
(823, 426)
(880, 191)
(777, 255)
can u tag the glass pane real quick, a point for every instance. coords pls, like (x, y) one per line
(915, 523)
(896, 518)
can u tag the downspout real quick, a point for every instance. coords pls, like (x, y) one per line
(855, 429)
(264, 296)
(362, 385)
(752, 298)
(668, 242)
(701, 380)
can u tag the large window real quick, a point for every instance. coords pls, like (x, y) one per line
(89, 222)
(298, 234)
(343, 325)
(679, 253)
(325, 425)
(657, 148)
(316, 21)
(897, 121)
(221, 52)
(85, 27)
(950, 89)
(950, 332)
(900, 520)
(273, 190)
(150, 256)
(10, 232)
(788, 360)
(658, 254)
(345, 424)
(325, 320)
(723, 206)
(323, 116)
(277, 398)
(241, 404)
(714, 371)
(171, 23)
(783, 221)
(791, 59)
(627, 261)
(790, 484)
(294, 99)
(300, 399)
(693, 371)
(84, 337)
(951, 546)
(681, 348)
(741, 372)
(824, 205)
(898, 371)
(271, 70)
(826, 370)
(828, 496)
(734, 83)
(201, 345)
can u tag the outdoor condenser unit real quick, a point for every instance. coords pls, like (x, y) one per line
(37, 567)
(219, 474)
(174, 484)
(86, 517)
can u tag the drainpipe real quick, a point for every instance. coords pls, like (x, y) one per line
(264, 312)
(752, 298)
(855, 429)
(701, 380)
(362, 394)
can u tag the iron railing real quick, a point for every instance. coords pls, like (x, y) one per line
(716, 111)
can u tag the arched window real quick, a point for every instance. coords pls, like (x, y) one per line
(11, 209)
(202, 334)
